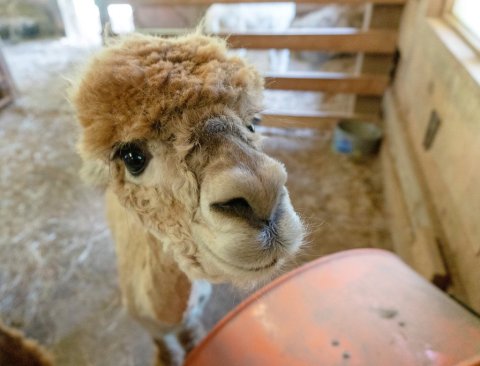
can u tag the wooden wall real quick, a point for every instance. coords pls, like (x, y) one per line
(433, 195)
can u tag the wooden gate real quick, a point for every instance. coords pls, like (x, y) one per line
(374, 45)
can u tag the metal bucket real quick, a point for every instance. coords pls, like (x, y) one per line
(357, 138)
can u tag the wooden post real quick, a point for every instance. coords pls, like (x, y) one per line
(377, 16)
(7, 87)
(400, 226)
(104, 17)
(425, 253)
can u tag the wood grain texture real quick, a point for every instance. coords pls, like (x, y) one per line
(328, 39)
(328, 82)
(400, 226)
(309, 119)
(433, 76)
(384, 17)
(426, 256)
(7, 86)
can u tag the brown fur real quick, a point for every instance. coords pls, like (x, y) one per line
(189, 104)
(16, 350)
(144, 87)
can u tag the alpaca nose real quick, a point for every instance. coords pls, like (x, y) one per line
(241, 209)
(250, 195)
(238, 206)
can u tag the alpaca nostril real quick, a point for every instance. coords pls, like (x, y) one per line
(240, 208)
(236, 206)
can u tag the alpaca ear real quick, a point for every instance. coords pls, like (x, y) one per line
(95, 172)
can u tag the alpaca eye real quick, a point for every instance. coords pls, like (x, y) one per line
(255, 121)
(134, 159)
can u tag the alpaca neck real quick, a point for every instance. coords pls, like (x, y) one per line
(154, 289)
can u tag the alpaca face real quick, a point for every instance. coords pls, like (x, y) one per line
(245, 225)
(222, 208)
(183, 157)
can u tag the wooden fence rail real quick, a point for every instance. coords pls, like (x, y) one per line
(329, 39)
(328, 82)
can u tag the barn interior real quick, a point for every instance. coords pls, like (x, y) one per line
(410, 67)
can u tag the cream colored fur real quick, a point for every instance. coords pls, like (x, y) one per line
(189, 104)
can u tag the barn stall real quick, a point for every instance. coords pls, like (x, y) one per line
(326, 61)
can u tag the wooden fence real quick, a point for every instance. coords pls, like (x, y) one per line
(374, 45)
(7, 89)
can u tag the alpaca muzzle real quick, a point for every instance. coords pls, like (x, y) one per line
(248, 195)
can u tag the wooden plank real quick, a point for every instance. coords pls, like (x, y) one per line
(426, 256)
(377, 65)
(328, 82)
(368, 104)
(103, 13)
(377, 16)
(209, 2)
(308, 119)
(442, 80)
(406, 168)
(396, 211)
(7, 86)
(399, 221)
(5, 72)
(328, 39)
(385, 16)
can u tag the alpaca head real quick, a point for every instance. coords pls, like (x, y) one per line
(167, 124)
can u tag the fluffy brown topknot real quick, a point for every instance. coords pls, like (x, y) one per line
(143, 87)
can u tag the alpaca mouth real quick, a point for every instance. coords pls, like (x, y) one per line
(242, 268)
(255, 269)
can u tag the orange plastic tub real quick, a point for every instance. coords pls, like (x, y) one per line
(362, 307)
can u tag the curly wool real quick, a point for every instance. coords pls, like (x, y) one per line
(142, 86)
(169, 213)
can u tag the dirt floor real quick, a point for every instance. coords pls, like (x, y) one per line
(57, 263)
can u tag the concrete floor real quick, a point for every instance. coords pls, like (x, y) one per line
(57, 263)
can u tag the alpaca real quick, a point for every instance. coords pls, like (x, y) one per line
(167, 130)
